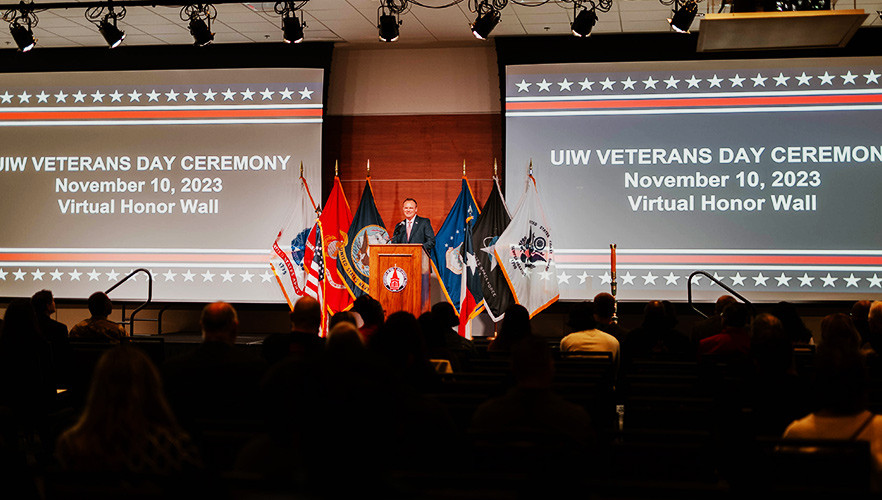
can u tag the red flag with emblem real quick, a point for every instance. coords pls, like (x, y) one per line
(335, 220)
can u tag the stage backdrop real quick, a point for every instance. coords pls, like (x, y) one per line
(187, 173)
(764, 173)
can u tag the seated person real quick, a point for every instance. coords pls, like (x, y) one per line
(98, 328)
(586, 336)
(604, 311)
(841, 387)
(734, 341)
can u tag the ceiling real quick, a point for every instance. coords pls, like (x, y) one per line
(353, 22)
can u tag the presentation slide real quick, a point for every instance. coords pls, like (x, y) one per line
(763, 173)
(189, 174)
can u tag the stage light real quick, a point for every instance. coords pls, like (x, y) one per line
(199, 18)
(292, 29)
(202, 34)
(683, 17)
(112, 35)
(23, 37)
(584, 22)
(388, 26)
(485, 22)
(106, 22)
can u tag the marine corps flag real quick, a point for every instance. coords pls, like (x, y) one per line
(353, 260)
(491, 223)
(447, 254)
(335, 221)
(525, 253)
(287, 253)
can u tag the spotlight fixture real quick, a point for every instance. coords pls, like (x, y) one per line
(292, 29)
(488, 17)
(388, 19)
(106, 23)
(292, 26)
(22, 20)
(388, 26)
(112, 35)
(201, 32)
(584, 22)
(683, 17)
(199, 17)
(24, 37)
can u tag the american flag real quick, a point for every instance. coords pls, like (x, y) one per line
(315, 268)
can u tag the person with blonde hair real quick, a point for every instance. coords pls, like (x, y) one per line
(127, 425)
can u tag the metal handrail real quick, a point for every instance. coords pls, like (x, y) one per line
(718, 282)
(142, 306)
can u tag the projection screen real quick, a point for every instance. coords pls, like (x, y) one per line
(764, 173)
(186, 173)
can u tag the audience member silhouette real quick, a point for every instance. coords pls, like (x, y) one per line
(655, 336)
(400, 344)
(55, 333)
(793, 324)
(444, 315)
(436, 346)
(586, 337)
(98, 328)
(838, 332)
(860, 316)
(604, 310)
(127, 426)
(372, 315)
(841, 392)
(874, 324)
(515, 326)
(303, 340)
(26, 381)
(342, 316)
(733, 342)
(774, 394)
(217, 381)
(531, 405)
(712, 325)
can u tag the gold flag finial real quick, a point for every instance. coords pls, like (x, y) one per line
(494, 167)
(531, 167)
(463, 167)
(301, 168)
(369, 168)
(336, 168)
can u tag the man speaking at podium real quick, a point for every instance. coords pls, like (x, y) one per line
(414, 229)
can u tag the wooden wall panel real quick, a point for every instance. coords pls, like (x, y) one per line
(419, 157)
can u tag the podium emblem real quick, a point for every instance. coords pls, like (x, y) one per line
(395, 279)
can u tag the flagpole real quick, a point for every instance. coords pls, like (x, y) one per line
(612, 285)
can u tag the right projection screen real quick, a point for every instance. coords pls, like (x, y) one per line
(766, 174)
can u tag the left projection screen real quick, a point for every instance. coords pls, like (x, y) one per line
(189, 174)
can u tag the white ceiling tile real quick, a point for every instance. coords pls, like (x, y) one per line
(167, 29)
(644, 15)
(659, 25)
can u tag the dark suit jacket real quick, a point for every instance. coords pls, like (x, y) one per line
(421, 232)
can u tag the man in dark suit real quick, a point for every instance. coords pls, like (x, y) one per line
(414, 229)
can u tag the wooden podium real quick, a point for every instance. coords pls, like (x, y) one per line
(400, 277)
